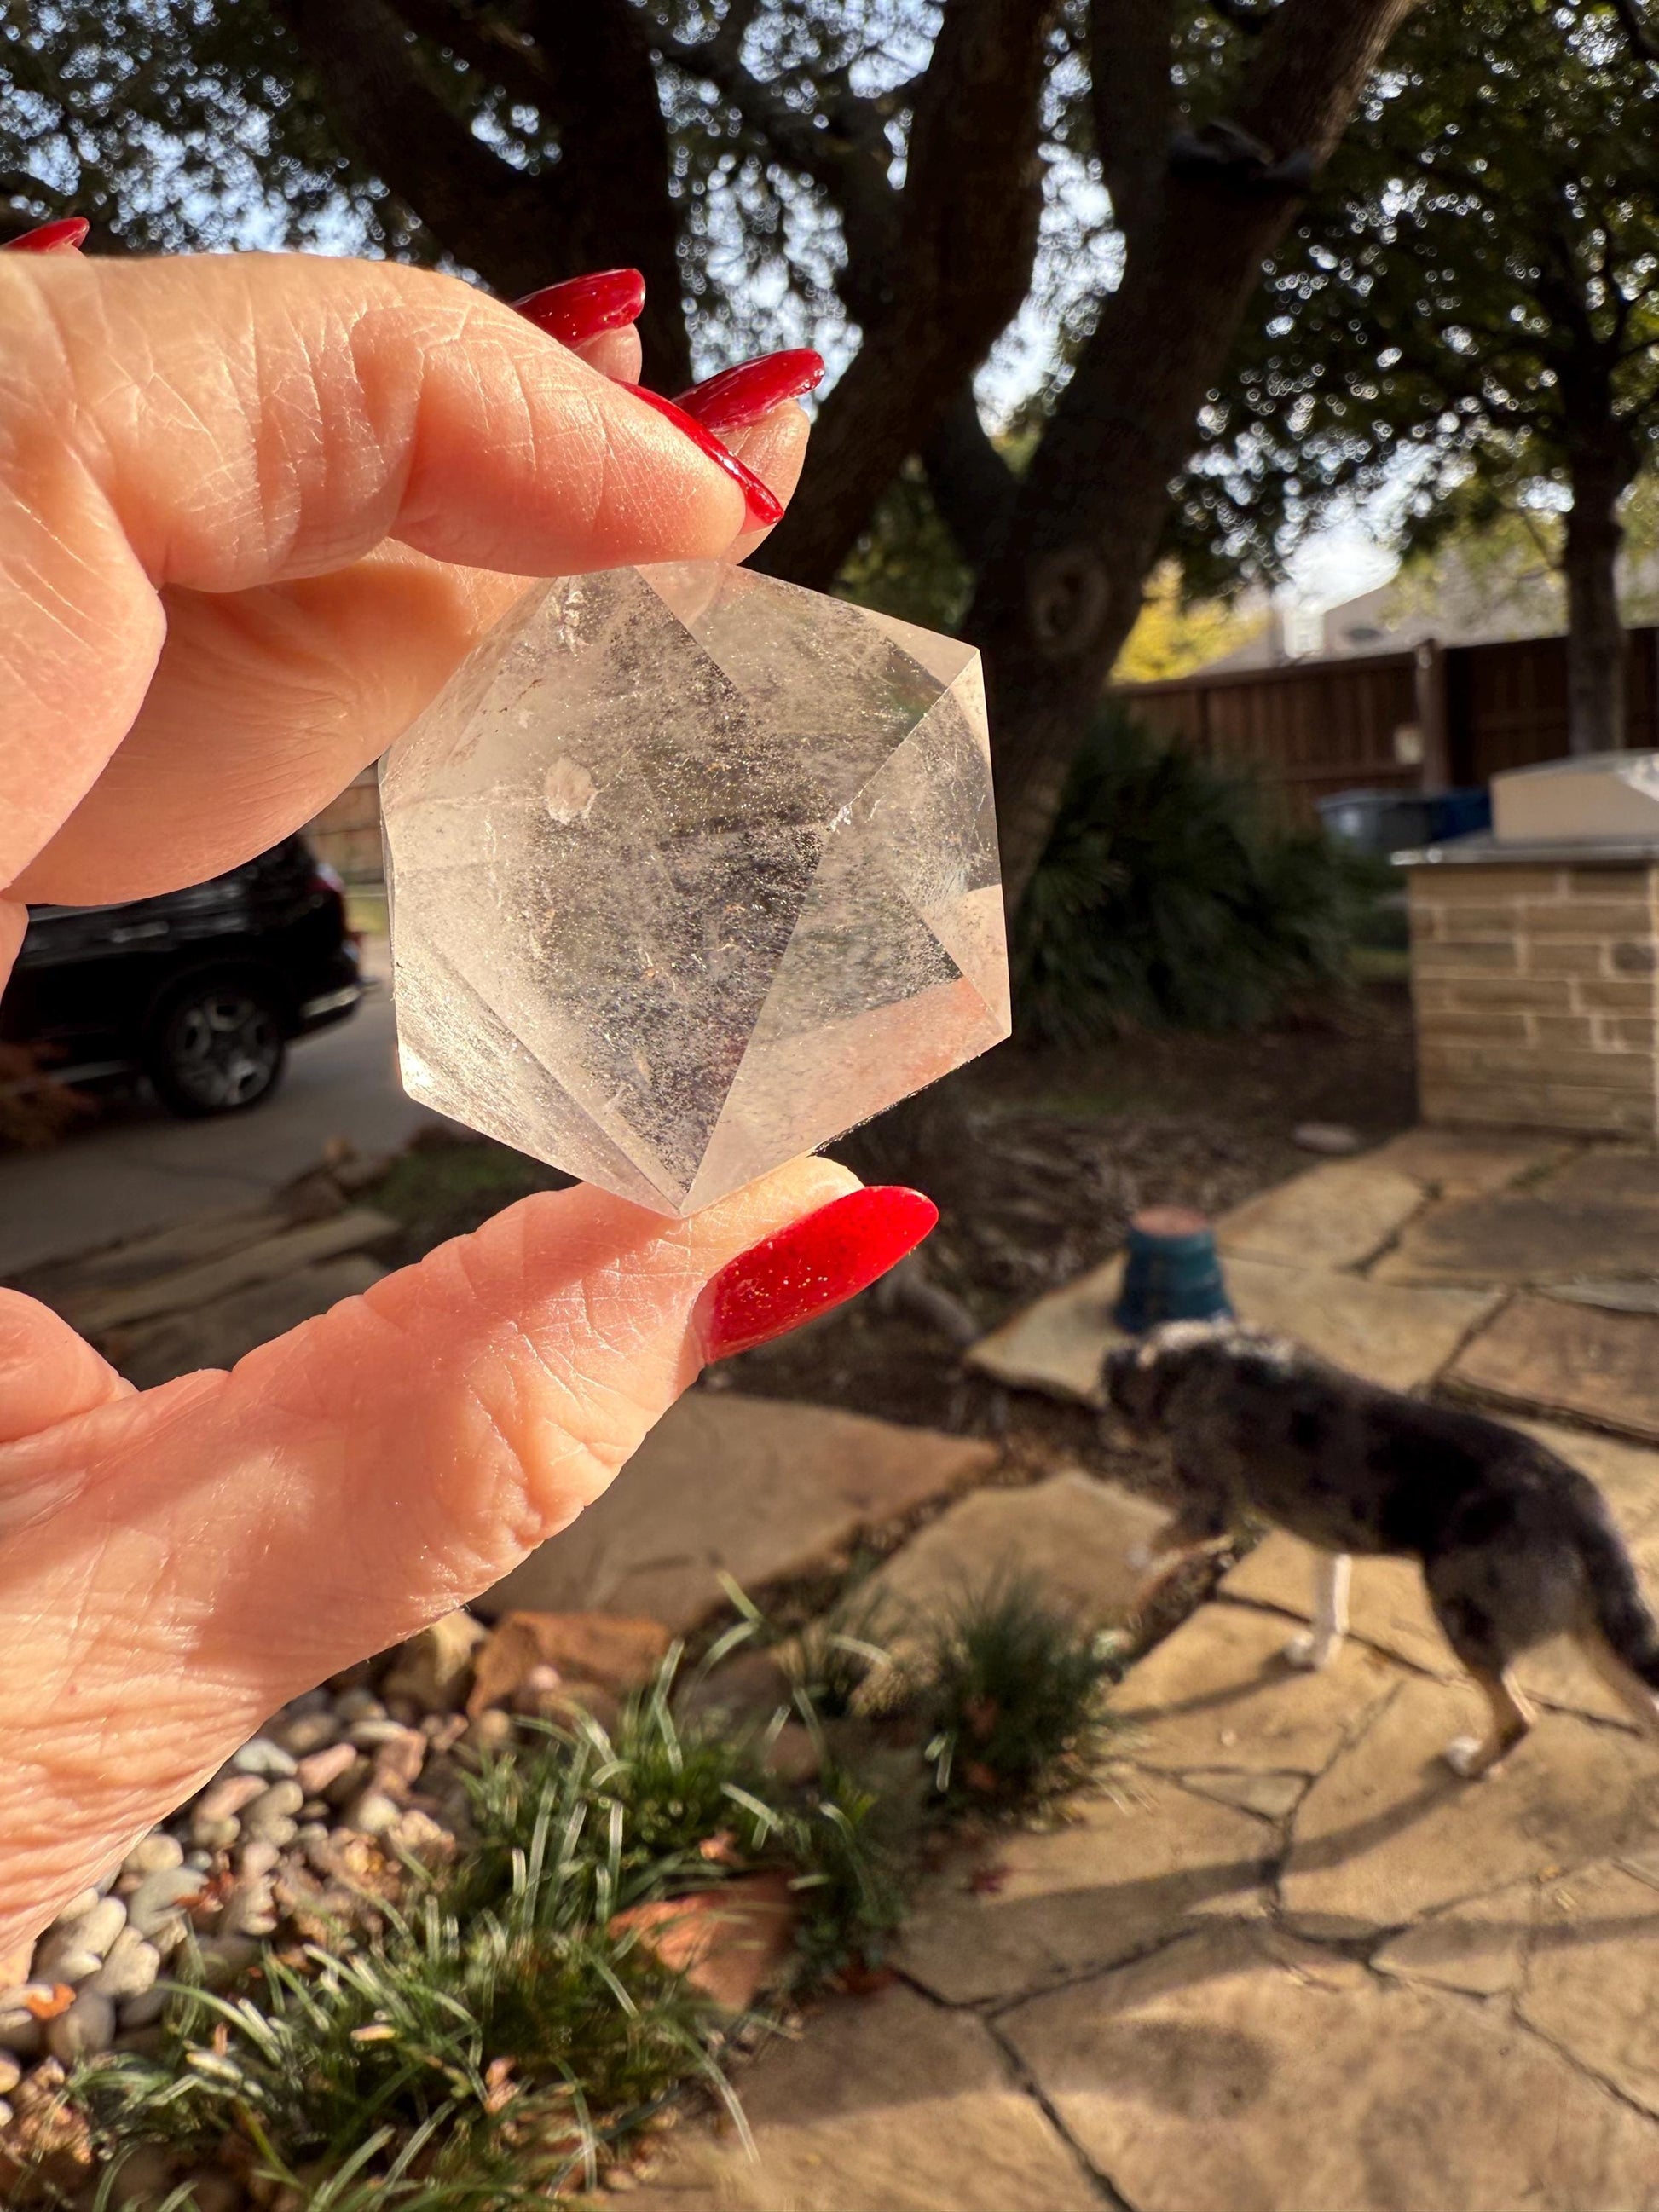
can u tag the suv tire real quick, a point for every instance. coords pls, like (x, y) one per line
(214, 1046)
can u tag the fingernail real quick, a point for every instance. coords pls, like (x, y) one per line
(63, 237)
(818, 1262)
(764, 506)
(581, 308)
(740, 396)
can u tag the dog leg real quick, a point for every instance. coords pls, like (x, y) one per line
(1318, 1645)
(1158, 1567)
(1511, 1717)
(1641, 1703)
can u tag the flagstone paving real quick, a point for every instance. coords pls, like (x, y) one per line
(1557, 1358)
(756, 1489)
(1286, 1959)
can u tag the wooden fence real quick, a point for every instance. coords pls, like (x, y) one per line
(347, 833)
(1405, 721)
(1386, 721)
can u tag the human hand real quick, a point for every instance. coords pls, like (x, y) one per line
(253, 511)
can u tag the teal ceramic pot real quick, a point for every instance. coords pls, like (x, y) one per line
(1171, 1271)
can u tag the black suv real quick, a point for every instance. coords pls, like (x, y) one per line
(200, 989)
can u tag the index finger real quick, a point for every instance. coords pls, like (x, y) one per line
(221, 422)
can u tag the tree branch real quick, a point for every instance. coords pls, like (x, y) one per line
(789, 132)
(1055, 606)
(485, 43)
(1243, 14)
(934, 274)
(1644, 43)
(973, 487)
(1132, 101)
(374, 86)
(589, 75)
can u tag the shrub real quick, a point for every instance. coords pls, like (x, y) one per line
(1013, 1701)
(505, 2036)
(1165, 899)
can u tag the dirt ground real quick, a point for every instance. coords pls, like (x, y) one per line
(1037, 1160)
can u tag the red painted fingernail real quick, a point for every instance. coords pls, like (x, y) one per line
(764, 506)
(740, 396)
(816, 1263)
(65, 237)
(581, 308)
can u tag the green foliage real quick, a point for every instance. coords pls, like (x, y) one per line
(1166, 900)
(1013, 1702)
(504, 2033)
(836, 1653)
(907, 563)
(626, 1817)
(1470, 298)
(519, 2031)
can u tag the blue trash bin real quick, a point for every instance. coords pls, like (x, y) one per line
(1459, 814)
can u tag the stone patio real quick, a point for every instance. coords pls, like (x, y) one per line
(1285, 1960)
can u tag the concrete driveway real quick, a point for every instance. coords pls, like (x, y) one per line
(138, 1169)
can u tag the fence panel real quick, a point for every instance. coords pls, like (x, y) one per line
(1304, 730)
(1313, 727)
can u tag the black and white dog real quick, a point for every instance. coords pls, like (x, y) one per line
(1515, 1545)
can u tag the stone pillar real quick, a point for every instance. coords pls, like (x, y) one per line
(1536, 979)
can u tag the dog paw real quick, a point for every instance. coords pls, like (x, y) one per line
(1310, 1651)
(1465, 1756)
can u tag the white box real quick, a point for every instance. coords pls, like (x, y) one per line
(1595, 795)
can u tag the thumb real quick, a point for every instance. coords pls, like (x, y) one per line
(179, 1562)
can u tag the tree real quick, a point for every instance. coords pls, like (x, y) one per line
(1176, 631)
(887, 161)
(1469, 308)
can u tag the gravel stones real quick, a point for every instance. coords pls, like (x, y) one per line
(153, 1854)
(259, 1755)
(130, 1969)
(85, 2030)
(156, 1905)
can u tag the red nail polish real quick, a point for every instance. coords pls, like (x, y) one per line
(580, 309)
(816, 1263)
(740, 396)
(765, 508)
(65, 237)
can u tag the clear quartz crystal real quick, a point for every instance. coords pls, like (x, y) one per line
(691, 872)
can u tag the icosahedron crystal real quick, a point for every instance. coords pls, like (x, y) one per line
(691, 872)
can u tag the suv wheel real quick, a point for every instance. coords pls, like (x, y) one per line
(216, 1047)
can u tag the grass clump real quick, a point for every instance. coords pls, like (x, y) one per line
(1166, 899)
(1013, 1702)
(507, 2031)
(517, 2040)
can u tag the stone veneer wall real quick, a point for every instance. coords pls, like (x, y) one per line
(1536, 989)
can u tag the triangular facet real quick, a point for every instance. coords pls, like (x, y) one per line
(867, 1005)
(946, 658)
(831, 690)
(458, 1056)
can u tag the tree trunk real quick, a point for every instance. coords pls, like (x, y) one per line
(934, 277)
(607, 202)
(1055, 606)
(1595, 635)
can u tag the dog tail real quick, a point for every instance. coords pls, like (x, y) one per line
(1618, 1606)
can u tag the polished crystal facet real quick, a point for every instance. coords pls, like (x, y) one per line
(691, 872)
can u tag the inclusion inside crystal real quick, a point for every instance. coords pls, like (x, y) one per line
(691, 872)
